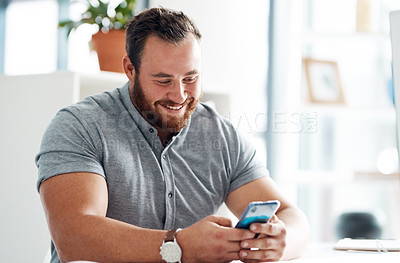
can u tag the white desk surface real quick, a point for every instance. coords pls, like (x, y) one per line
(324, 253)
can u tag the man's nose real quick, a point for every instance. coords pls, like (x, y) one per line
(178, 93)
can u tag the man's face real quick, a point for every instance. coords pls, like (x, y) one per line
(168, 87)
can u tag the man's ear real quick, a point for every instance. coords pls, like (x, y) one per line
(128, 68)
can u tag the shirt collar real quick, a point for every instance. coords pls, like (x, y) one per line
(142, 123)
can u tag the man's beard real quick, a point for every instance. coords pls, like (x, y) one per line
(171, 123)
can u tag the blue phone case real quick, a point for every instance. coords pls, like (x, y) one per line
(258, 212)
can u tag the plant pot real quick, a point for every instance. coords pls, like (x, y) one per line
(110, 48)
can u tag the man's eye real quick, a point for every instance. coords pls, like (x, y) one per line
(190, 80)
(163, 82)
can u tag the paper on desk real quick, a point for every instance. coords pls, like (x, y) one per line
(380, 245)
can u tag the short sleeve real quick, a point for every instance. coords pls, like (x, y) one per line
(68, 146)
(248, 166)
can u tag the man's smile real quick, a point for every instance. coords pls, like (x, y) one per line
(176, 109)
(173, 108)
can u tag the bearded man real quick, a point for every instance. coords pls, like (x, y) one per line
(136, 174)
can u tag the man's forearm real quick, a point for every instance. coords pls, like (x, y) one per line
(297, 232)
(102, 239)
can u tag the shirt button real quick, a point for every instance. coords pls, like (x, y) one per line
(170, 194)
(151, 130)
(164, 157)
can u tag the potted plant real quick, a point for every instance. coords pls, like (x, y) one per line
(109, 41)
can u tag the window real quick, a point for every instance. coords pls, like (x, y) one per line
(31, 37)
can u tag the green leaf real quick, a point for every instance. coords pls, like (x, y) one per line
(124, 11)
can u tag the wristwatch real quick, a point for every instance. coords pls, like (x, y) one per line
(170, 250)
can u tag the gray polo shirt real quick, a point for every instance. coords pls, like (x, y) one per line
(149, 185)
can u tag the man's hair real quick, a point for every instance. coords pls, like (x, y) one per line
(169, 25)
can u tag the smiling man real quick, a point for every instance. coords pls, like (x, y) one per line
(173, 73)
(136, 174)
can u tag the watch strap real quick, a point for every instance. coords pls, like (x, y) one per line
(169, 237)
(171, 234)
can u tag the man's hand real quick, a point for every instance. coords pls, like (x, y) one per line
(285, 237)
(269, 246)
(212, 239)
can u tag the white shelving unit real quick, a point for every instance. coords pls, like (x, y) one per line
(335, 162)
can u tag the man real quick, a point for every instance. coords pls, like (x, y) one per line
(120, 171)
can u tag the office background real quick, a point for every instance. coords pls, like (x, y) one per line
(329, 157)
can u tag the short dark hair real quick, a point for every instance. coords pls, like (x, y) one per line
(169, 25)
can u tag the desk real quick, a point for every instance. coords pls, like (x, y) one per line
(324, 253)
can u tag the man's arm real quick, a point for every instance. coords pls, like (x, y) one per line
(75, 206)
(285, 237)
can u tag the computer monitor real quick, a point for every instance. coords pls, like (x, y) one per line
(395, 37)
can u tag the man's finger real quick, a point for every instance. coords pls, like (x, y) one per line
(261, 243)
(233, 247)
(274, 219)
(231, 256)
(264, 255)
(271, 229)
(236, 234)
(220, 220)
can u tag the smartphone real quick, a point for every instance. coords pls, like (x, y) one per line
(258, 212)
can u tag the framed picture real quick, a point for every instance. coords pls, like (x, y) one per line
(323, 81)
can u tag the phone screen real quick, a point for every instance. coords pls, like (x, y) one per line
(258, 212)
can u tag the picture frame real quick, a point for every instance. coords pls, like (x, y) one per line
(323, 81)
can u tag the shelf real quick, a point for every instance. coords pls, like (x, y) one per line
(337, 163)
(323, 177)
(99, 82)
(341, 110)
(345, 107)
(331, 178)
(313, 36)
(375, 175)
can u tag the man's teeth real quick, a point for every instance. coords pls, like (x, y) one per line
(173, 108)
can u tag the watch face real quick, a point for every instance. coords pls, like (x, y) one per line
(171, 252)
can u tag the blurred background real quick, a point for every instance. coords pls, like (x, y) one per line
(309, 82)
